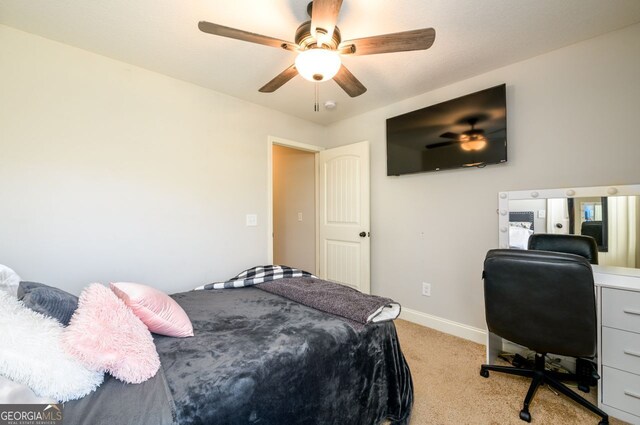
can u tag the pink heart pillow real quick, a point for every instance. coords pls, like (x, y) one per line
(157, 310)
(105, 335)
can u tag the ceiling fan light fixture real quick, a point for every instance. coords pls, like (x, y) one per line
(474, 145)
(318, 64)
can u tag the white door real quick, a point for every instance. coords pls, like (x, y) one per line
(558, 216)
(344, 215)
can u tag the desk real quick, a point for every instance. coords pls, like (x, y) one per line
(618, 307)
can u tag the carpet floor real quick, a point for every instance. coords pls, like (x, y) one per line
(448, 388)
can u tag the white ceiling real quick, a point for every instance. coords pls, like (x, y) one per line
(472, 37)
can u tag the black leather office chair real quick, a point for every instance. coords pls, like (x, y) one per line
(593, 229)
(544, 301)
(585, 246)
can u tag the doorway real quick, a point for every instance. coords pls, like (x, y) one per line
(293, 204)
(340, 208)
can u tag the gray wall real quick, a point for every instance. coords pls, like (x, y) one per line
(572, 121)
(111, 172)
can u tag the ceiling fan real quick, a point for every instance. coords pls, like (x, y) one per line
(319, 46)
(471, 140)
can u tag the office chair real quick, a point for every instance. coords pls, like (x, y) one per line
(544, 301)
(593, 229)
(585, 246)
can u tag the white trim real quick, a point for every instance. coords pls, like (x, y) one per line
(445, 325)
(272, 140)
(316, 165)
(293, 144)
(269, 200)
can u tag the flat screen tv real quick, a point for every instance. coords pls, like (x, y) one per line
(470, 131)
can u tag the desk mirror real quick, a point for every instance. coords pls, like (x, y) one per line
(611, 215)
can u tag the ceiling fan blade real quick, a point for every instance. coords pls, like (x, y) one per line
(441, 144)
(324, 15)
(449, 135)
(348, 82)
(279, 80)
(251, 37)
(405, 41)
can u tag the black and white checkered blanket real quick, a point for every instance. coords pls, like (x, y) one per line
(257, 275)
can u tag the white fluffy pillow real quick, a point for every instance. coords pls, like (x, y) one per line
(9, 280)
(31, 353)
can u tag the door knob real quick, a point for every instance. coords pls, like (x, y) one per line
(363, 234)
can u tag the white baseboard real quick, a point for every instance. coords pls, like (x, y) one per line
(444, 325)
(470, 333)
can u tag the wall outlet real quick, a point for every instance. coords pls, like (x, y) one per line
(426, 289)
(299, 216)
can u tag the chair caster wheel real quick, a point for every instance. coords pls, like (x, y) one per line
(525, 416)
(584, 388)
(484, 373)
(604, 422)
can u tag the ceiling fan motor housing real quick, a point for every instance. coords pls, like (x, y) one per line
(305, 40)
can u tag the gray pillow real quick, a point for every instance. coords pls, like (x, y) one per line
(25, 287)
(50, 301)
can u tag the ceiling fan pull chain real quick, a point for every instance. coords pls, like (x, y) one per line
(316, 105)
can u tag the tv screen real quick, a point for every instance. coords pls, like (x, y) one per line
(470, 131)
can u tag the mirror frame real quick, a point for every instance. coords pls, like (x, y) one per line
(577, 192)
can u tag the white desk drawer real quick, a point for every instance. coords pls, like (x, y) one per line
(621, 349)
(621, 309)
(621, 390)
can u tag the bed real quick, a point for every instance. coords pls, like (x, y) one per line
(521, 227)
(258, 358)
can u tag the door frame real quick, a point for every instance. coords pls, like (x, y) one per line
(271, 141)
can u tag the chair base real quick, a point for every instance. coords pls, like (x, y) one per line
(540, 376)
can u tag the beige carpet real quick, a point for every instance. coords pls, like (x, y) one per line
(448, 389)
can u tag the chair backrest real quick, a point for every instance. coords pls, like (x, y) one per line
(584, 246)
(542, 300)
(593, 229)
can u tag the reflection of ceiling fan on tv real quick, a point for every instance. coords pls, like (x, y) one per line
(471, 140)
(319, 46)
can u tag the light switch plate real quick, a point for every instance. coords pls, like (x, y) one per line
(299, 216)
(542, 214)
(252, 219)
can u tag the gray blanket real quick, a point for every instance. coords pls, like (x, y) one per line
(117, 403)
(334, 298)
(258, 358)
